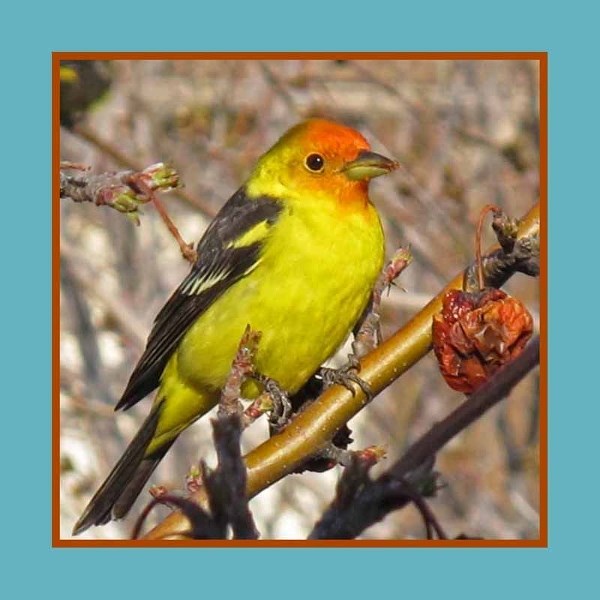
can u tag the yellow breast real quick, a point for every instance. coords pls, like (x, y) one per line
(311, 285)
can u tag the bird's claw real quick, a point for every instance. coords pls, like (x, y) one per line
(282, 407)
(345, 376)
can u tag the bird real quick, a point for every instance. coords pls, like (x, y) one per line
(294, 254)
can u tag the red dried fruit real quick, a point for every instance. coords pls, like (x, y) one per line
(476, 333)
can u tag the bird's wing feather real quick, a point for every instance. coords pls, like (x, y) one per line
(229, 250)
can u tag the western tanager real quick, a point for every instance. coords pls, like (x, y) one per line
(294, 253)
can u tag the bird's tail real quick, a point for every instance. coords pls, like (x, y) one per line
(125, 482)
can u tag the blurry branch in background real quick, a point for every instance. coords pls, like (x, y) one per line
(77, 297)
(281, 88)
(312, 429)
(129, 324)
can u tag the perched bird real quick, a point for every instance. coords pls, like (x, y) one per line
(294, 253)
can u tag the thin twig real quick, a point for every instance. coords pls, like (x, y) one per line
(484, 211)
(489, 394)
(120, 158)
(124, 191)
(241, 368)
(367, 333)
(360, 502)
(187, 250)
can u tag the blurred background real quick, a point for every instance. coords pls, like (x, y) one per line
(466, 134)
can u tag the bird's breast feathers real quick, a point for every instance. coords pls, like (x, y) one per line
(308, 286)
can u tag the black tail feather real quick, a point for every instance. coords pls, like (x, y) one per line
(138, 481)
(125, 482)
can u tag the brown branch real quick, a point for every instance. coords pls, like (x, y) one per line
(312, 429)
(227, 484)
(429, 519)
(120, 158)
(476, 405)
(149, 191)
(125, 191)
(224, 487)
(367, 333)
(361, 502)
(241, 369)
(187, 250)
(484, 211)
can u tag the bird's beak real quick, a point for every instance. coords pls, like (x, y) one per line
(368, 165)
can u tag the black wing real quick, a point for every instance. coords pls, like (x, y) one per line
(222, 260)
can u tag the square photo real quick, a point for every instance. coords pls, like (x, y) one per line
(299, 299)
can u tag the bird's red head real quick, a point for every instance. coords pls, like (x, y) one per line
(319, 158)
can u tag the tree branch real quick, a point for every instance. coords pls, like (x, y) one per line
(124, 191)
(126, 161)
(361, 502)
(312, 429)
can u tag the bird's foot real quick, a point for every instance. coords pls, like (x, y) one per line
(282, 407)
(346, 376)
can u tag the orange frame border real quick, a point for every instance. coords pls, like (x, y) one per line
(542, 57)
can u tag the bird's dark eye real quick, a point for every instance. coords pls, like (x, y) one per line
(314, 162)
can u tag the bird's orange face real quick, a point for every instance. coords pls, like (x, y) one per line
(323, 158)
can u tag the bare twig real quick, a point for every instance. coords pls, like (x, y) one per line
(227, 484)
(430, 521)
(360, 502)
(225, 488)
(124, 191)
(484, 211)
(476, 405)
(203, 526)
(516, 254)
(241, 369)
(120, 158)
(187, 250)
(367, 334)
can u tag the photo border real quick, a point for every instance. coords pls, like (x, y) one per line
(542, 57)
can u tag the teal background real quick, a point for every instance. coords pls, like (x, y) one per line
(30, 567)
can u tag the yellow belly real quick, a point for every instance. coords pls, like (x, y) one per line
(305, 296)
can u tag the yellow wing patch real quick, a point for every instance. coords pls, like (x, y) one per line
(257, 233)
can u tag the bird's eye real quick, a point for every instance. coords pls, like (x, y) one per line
(314, 162)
